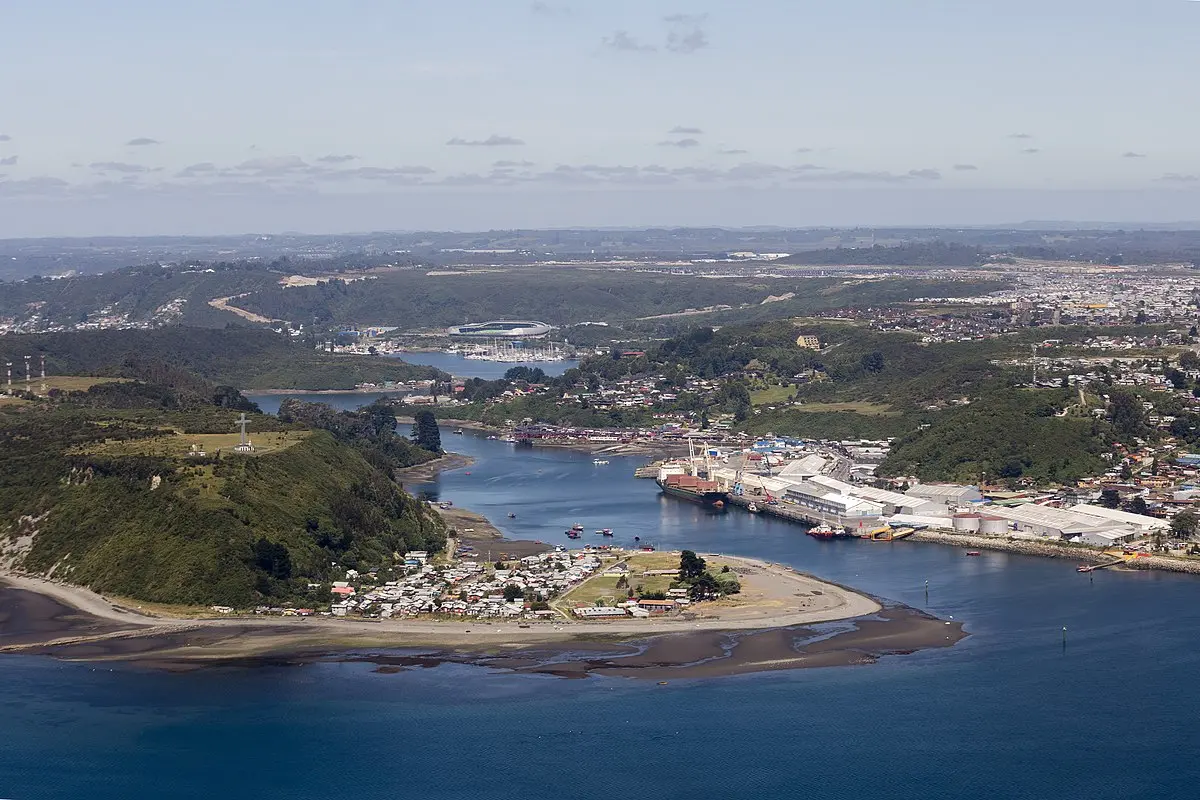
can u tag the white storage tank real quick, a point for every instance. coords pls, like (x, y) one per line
(966, 523)
(993, 526)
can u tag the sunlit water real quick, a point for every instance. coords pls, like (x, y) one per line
(1008, 713)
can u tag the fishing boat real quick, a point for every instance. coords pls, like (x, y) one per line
(572, 534)
(458, 431)
(512, 515)
(577, 528)
(599, 461)
(974, 553)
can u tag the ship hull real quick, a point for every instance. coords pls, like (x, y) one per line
(702, 498)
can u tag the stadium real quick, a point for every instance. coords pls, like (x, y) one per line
(501, 329)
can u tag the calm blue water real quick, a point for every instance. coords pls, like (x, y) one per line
(461, 367)
(1007, 713)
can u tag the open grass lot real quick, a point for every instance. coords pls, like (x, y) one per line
(772, 395)
(67, 383)
(603, 586)
(871, 409)
(9, 400)
(180, 444)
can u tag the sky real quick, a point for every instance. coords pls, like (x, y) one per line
(138, 117)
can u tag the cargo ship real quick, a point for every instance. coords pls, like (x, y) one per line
(692, 489)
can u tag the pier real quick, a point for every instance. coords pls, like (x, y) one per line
(803, 516)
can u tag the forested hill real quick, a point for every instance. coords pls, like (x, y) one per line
(247, 358)
(118, 500)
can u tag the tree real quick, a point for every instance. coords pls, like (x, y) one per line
(512, 592)
(1127, 413)
(1177, 379)
(704, 588)
(1185, 523)
(1137, 505)
(691, 566)
(873, 362)
(426, 432)
(1110, 498)
(1141, 318)
(1188, 359)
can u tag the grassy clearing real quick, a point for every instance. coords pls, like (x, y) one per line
(180, 444)
(869, 409)
(69, 383)
(601, 586)
(772, 395)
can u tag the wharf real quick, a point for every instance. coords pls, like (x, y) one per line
(648, 470)
(803, 516)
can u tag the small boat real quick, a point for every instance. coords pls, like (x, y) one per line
(974, 553)
(599, 461)
(458, 431)
(752, 508)
(649, 548)
(577, 528)
(493, 438)
(607, 532)
(822, 531)
(511, 515)
(637, 538)
(572, 534)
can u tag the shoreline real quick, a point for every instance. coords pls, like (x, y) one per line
(773, 631)
(1054, 550)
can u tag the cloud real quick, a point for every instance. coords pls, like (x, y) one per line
(118, 166)
(1175, 177)
(1030, 151)
(1020, 136)
(511, 164)
(549, 9)
(623, 42)
(406, 174)
(683, 129)
(41, 185)
(4, 137)
(687, 34)
(336, 159)
(853, 176)
(8, 162)
(142, 141)
(802, 150)
(965, 167)
(680, 143)
(270, 166)
(1132, 154)
(492, 141)
(200, 170)
(732, 152)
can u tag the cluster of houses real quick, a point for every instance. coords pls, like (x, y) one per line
(468, 588)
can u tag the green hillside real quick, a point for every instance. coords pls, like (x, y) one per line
(242, 357)
(79, 500)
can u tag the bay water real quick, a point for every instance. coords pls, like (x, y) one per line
(1010, 712)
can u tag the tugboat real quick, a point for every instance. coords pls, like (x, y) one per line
(822, 531)
(577, 528)
(974, 553)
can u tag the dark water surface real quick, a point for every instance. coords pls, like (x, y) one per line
(1007, 713)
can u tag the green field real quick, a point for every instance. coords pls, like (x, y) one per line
(181, 444)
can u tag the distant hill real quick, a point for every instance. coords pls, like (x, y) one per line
(241, 357)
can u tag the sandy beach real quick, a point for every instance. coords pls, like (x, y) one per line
(768, 628)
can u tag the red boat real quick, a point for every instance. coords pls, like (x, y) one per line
(822, 532)
(973, 552)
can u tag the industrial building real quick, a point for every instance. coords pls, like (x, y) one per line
(501, 329)
(947, 494)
